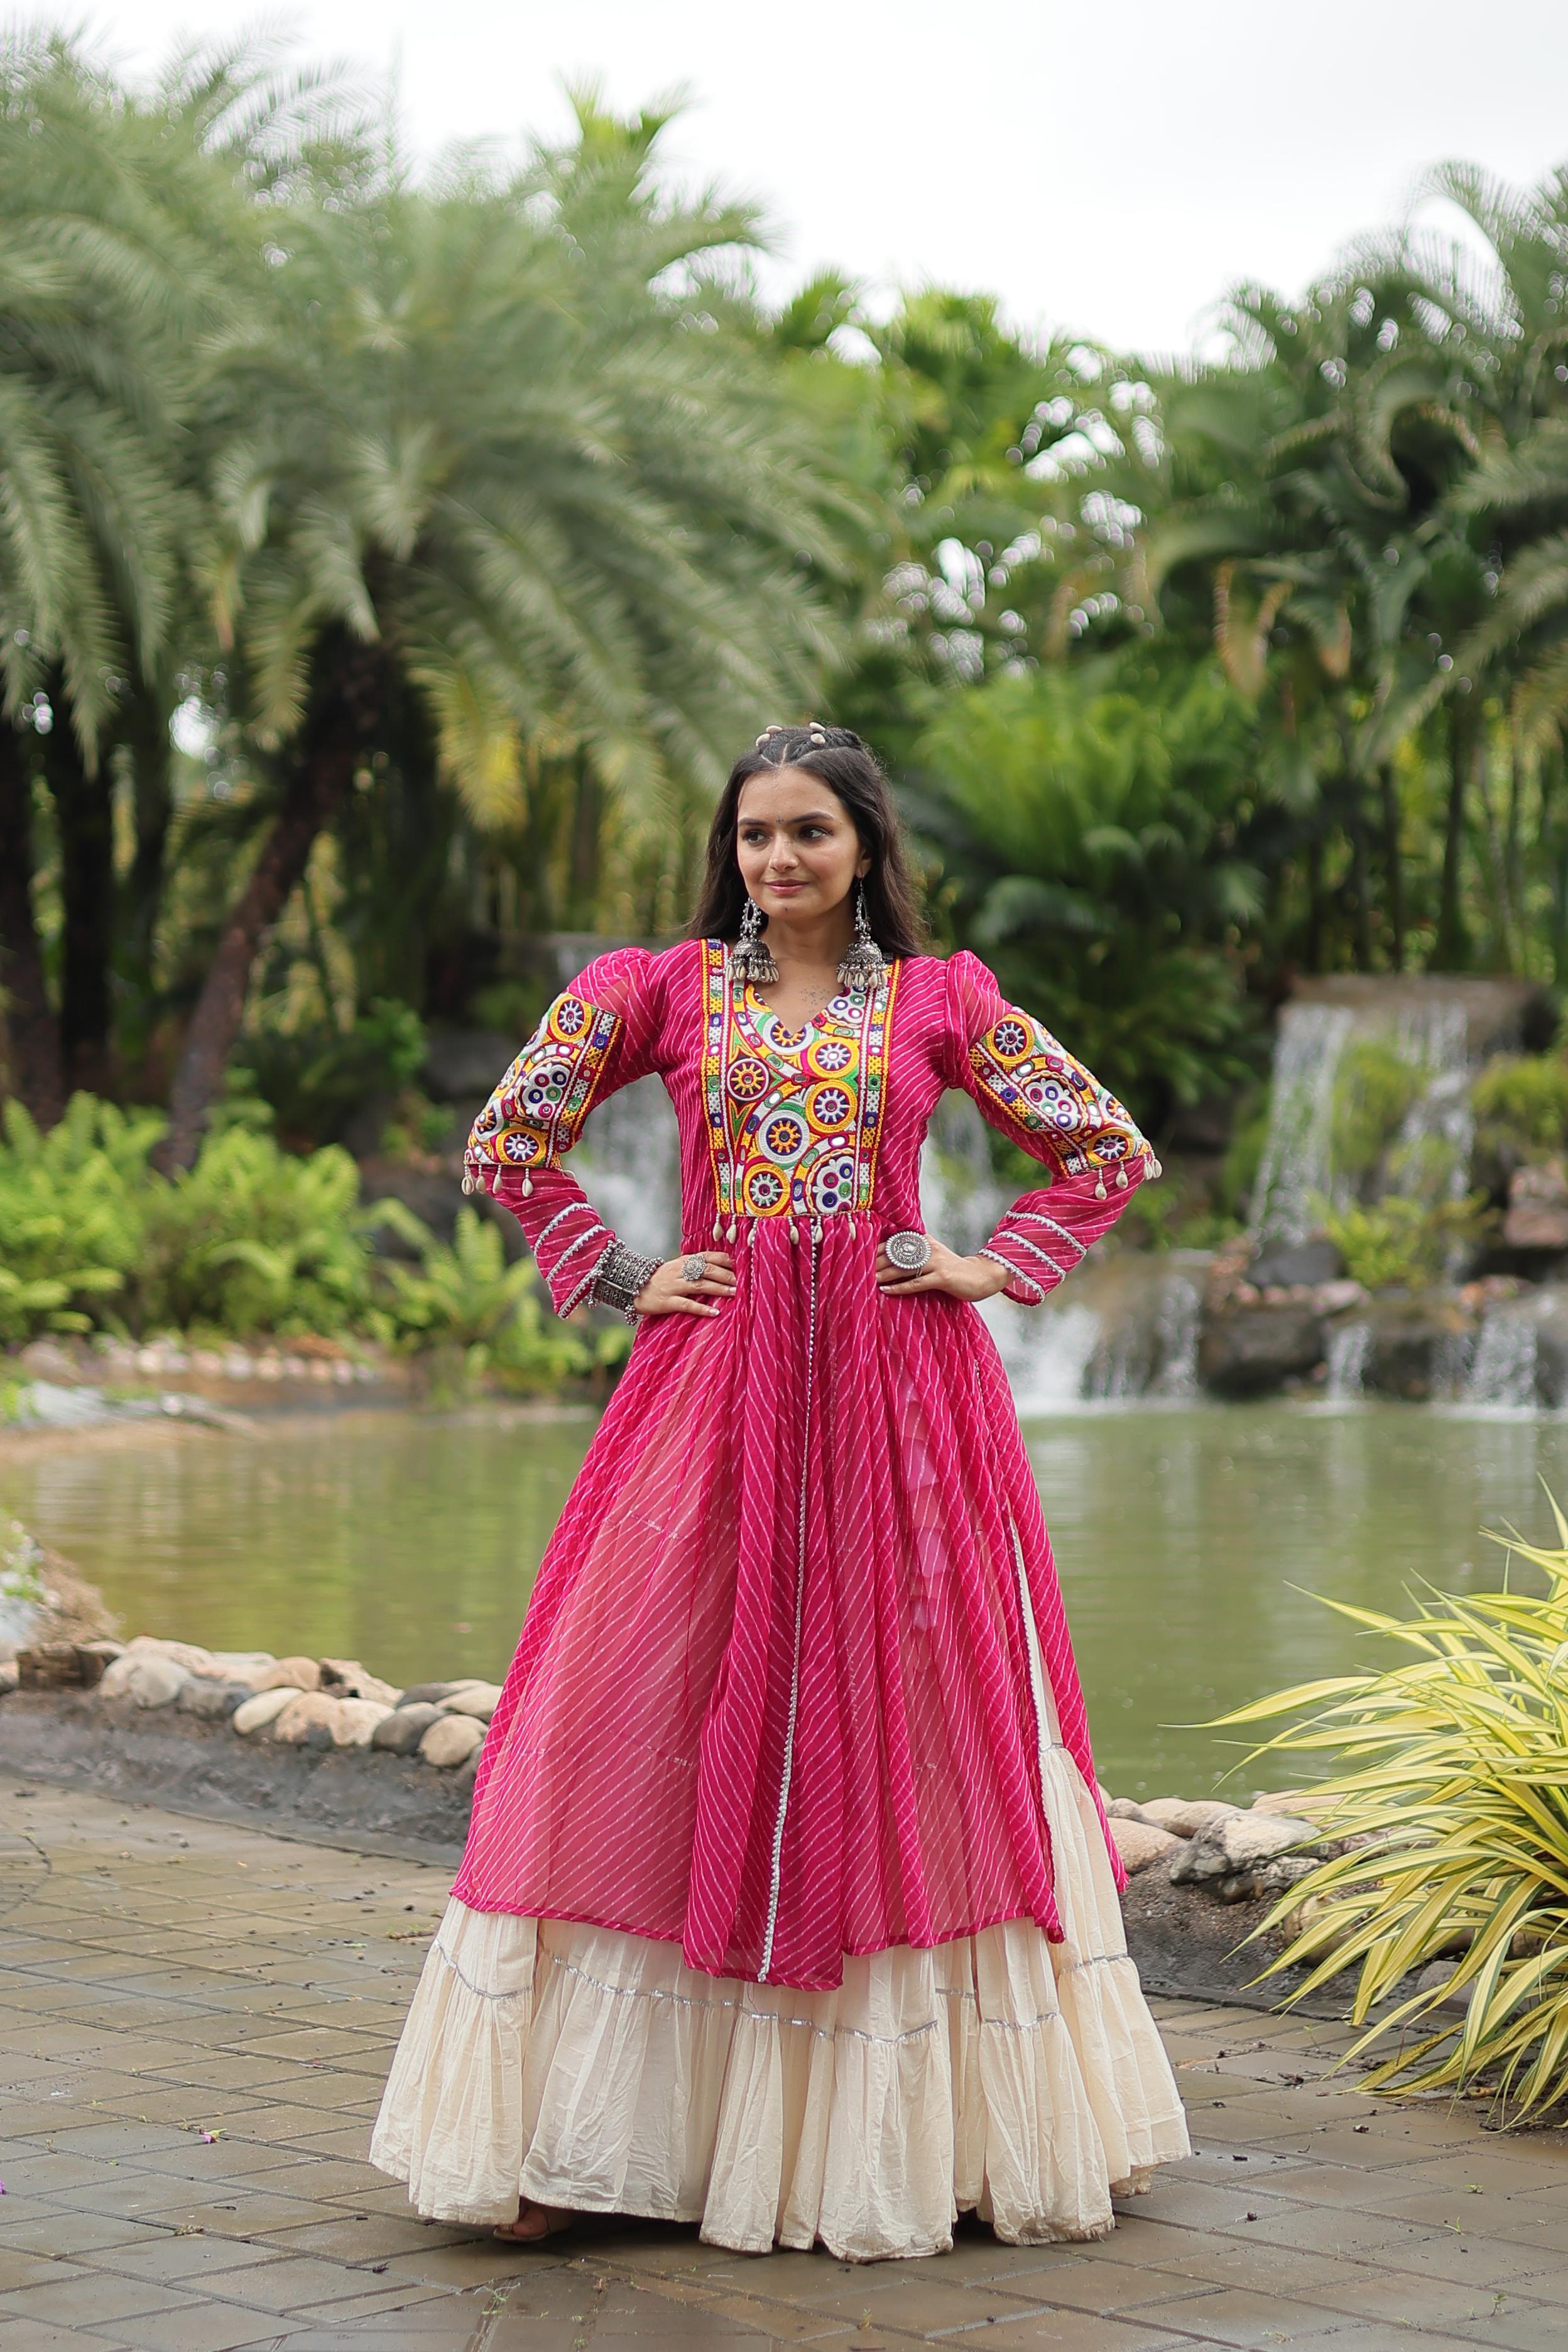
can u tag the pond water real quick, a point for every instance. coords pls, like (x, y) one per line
(1189, 1538)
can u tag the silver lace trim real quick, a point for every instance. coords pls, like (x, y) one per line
(753, 2016)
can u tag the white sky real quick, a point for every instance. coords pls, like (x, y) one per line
(1107, 170)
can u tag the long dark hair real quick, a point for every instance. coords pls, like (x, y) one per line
(849, 770)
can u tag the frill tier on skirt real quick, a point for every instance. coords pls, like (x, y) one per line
(592, 2069)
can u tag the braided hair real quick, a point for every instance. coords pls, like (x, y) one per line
(852, 773)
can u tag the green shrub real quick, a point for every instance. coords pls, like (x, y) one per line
(1520, 1102)
(1374, 1090)
(1401, 1243)
(1454, 1782)
(316, 1078)
(256, 1239)
(467, 1299)
(71, 1216)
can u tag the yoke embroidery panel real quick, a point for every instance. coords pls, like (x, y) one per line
(794, 1117)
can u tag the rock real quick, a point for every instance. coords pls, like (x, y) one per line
(462, 1064)
(1248, 1350)
(306, 1713)
(452, 1740)
(145, 1678)
(291, 1673)
(402, 1728)
(1333, 1297)
(48, 1361)
(1537, 1216)
(1186, 1816)
(1139, 1843)
(1282, 1265)
(51, 1665)
(246, 1666)
(427, 1693)
(1268, 1879)
(479, 1699)
(362, 1717)
(259, 1712)
(10, 1677)
(181, 1653)
(1243, 1842)
(1122, 1808)
(1433, 1978)
(212, 1702)
(346, 1679)
(1414, 1344)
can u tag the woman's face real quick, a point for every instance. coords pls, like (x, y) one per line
(797, 848)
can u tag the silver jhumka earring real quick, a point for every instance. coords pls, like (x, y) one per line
(863, 967)
(751, 958)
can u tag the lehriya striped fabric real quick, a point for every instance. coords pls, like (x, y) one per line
(771, 1701)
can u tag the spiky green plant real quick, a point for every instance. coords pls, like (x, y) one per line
(1452, 1797)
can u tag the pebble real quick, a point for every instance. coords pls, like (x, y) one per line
(452, 1740)
(212, 1702)
(145, 1678)
(421, 1694)
(291, 1673)
(1186, 1816)
(259, 1713)
(402, 1728)
(478, 1699)
(181, 1653)
(10, 1674)
(361, 1717)
(346, 1679)
(1245, 1841)
(1139, 1843)
(305, 1713)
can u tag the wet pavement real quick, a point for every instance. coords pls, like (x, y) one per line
(195, 2021)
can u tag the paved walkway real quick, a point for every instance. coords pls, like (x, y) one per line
(195, 2022)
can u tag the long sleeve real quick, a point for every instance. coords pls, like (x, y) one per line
(1031, 1089)
(595, 1038)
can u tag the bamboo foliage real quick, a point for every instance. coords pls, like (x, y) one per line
(1450, 1805)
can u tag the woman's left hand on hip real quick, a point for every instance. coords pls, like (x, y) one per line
(960, 1277)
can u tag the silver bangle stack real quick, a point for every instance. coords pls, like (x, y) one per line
(620, 1277)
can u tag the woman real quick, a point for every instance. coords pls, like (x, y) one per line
(788, 1905)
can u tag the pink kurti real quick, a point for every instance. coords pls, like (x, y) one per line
(778, 1696)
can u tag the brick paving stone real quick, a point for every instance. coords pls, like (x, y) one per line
(174, 1972)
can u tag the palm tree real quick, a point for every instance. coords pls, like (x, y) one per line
(477, 475)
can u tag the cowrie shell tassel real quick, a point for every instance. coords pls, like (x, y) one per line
(1121, 1180)
(718, 1229)
(527, 1188)
(792, 1234)
(1099, 1190)
(734, 1230)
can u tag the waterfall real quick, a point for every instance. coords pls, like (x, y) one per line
(1349, 1346)
(1502, 1371)
(1176, 1336)
(1294, 1169)
(1430, 1154)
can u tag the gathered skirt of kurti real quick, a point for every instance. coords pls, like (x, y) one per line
(1002, 2073)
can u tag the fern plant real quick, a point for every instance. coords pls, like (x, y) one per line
(1453, 1795)
(465, 1297)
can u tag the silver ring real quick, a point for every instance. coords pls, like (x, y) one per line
(694, 1269)
(910, 1252)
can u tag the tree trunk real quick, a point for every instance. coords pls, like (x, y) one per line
(1313, 954)
(146, 737)
(346, 705)
(1393, 867)
(84, 814)
(32, 1035)
(1361, 879)
(1451, 948)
